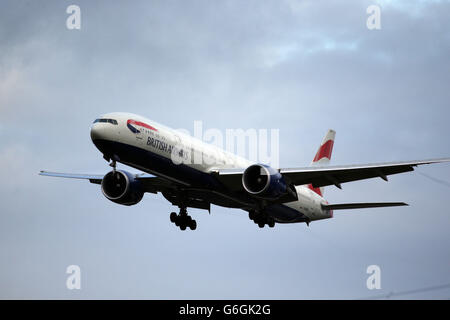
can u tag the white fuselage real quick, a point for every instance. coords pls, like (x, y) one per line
(143, 133)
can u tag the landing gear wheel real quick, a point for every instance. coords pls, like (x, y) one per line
(183, 220)
(257, 217)
(271, 223)
(261, 224)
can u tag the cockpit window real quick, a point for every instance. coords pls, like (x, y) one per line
(112, 121)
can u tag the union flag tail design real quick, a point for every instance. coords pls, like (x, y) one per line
(323, 156)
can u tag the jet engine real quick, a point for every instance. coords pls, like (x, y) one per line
(122, 187)
(264, 182)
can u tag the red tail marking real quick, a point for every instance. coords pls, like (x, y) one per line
(324, 151)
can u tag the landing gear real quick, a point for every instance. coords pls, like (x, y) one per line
(114, 158)
(261, 219)
(113, 164)
(183, 220)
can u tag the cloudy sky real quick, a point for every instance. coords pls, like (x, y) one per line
(298, 66)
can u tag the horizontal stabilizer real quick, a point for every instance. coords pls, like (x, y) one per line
(343, 206)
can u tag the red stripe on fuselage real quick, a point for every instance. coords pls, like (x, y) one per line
(324, 151)
(142, 124)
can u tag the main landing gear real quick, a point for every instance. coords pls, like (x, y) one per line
(261, 219)
(183, 220)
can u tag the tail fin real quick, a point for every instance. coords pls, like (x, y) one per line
(323, 156)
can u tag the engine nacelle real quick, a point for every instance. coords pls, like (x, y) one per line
(121, 187)
(264, 181)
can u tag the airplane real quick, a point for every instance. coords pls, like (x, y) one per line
(269, 195)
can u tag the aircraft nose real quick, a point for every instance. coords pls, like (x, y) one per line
(96, 131)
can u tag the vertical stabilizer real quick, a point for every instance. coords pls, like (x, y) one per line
(323, 156)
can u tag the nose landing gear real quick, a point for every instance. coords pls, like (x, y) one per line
(183, 220)
(113, 165)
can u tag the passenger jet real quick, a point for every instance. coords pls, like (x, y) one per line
(269, 195)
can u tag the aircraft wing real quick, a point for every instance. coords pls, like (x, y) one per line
(93, 178)
(194, 197)
(151, 183)
(331, 175)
